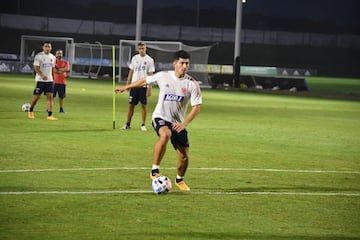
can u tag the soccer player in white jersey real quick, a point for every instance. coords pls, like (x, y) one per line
(44, 65)
(141, 65)
(177, 91)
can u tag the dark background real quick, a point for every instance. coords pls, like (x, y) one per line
(323, 16)
(313, 16)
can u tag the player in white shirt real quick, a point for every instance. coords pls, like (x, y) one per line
(141, 65)
(177, 91)
(44, 65)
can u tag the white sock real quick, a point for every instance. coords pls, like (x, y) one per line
(155, 166)
(179, 177)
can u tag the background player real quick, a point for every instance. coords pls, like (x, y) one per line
(44, 66)
(61, 68)
(141, 66)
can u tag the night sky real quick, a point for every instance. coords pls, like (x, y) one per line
(344, 11)
(211, 13)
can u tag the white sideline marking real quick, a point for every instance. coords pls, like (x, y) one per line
(192, 192)
(206, 169)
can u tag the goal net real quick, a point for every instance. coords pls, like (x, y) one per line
(31, 45)
(162, 52)
(91, 60)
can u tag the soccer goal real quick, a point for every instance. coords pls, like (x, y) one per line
(31, 45)
(91, 60)
(162, 52)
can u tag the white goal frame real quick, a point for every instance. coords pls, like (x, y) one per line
(68, 51)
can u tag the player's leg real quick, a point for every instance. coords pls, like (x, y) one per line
(130, 113)
(50, 100)
(33, 102)
(129, 117)
(143, 101)
(180, 142)
(133, 101)
(160, 145)
(37, 93)
(183, 161)
(49, 91)
(62, 95)
(143, 117)
(182, 165)
(61, 104)
(164, 135)
(55, 92)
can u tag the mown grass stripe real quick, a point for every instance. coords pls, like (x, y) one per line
(192, 192)
(205, 169)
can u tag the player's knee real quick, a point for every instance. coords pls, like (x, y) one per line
(184, 158)
(164, 134)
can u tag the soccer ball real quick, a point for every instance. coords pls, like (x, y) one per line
(25, 107)
(161, 185)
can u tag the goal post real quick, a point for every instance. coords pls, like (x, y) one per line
(90, 60)
(162, 52)
(31, 45)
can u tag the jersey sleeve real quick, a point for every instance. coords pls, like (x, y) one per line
(36, 60)
(151, 80)
(151, 66)
(196, 98)
(53, 61)
(131, 65)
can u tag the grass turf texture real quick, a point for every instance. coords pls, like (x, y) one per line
(243, 145)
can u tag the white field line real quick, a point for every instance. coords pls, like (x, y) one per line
(204, 169)
(341, 194)
(192, 192)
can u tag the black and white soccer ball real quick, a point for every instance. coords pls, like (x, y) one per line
(25, 107)
(161, 185)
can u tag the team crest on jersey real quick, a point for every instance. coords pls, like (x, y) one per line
(184, 91)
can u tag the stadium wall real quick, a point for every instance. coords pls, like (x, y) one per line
(330, 55)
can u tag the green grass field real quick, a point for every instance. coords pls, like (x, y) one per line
(263, 166)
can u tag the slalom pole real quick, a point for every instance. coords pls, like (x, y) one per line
(113, 78)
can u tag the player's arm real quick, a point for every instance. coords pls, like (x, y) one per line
(148, 89)
(130, 75)
(67, 67)
(140, 83)
(193, 113)
(53, 70)
(38, 71)
(64, 69)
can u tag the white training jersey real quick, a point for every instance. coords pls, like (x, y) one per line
(175, 94)
(141, 66)
(46, 62)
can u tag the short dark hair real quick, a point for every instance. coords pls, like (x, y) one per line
(181, 54)
(46, 42)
